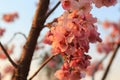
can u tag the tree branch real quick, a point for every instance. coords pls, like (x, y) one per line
(29, 47)
(9, 58)
(16, 35)
(49, 13)
(110, 63)
(44, 63)
(96, 67)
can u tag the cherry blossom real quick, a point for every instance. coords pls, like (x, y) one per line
(90, 69)
(70, 36)
(84, 5)
(76, 29)
(10, 17)
(2, 31)
(115, 32)
(114, 37)
(105, 47)
(8, 69)
(107, 3)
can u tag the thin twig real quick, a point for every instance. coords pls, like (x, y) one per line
(16, 35)
(44, 63)
(9, 58)
(110, 62)
(96, 67)
(49, 13)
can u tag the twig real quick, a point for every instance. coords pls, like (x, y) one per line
(44, 63)
(110, 63)
(15, 36)
(49, 13)
(96, 67)
(9, 58)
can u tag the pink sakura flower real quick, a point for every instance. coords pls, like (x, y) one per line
(10, 17)
(80, 62)
(70, 37)
(68, 72)
(2, 31)
(94, 33)
(105, 47)
(84, 5)
(107, 3)
(79, 34)
(91, 68)
(8, 69)
(115, 30)
(106, 24)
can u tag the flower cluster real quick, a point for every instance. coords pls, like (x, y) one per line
(10, 17)
(94, 67)
(8, 69)
(107, 3)
(114, 37)
(70, 36)
(115, 33)
(83, 5)
(2, 30)
(105, 47)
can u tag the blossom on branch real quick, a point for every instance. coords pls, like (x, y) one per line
(10, 17)
(82, 5)
(107, 3)
(2, 31)
(70, 35)
(94, 67)
(115, 32)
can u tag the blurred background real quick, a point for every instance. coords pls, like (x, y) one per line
(24, 11)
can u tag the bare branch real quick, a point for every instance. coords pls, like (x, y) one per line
(110, 62)
(9, 58)
(96, 67)
(20, 33)
(44, 63)
(49, 13)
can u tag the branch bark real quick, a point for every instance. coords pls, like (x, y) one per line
(44, 63)
(110, 62)
(9, 58)
(96, 67)
(22, 71)
(49, 13)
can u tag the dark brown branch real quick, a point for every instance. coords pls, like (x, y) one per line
(49, 13)
(96, 67)
(16, 35)
(44, 63)
(29, 47)
(9, 58)
(110, 63)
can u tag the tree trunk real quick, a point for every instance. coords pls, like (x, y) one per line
(22, 70)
